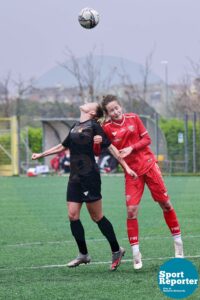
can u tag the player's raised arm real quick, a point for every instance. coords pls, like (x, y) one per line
(54, 150)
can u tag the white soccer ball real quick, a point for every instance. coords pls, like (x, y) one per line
(88, 18)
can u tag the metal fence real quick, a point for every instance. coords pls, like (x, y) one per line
(177, 150)
(183, 145)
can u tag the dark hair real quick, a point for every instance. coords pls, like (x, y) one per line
(107, 99)
(99, 112)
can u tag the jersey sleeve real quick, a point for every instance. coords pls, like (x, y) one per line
(145, 139)
(66, 141)
(141, 128)
(99, 131)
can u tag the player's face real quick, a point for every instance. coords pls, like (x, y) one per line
(114, 110)
(89, 108)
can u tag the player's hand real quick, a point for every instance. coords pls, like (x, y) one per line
(131, 172)
(125, 151)
(97, 139)
(36, 155)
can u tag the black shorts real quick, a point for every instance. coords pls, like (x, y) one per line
(85, 188)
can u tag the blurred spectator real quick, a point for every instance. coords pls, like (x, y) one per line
(65, 162)
(107, 163)
(56, 162)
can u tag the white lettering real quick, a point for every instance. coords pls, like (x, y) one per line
(162, 280)
(162, 274)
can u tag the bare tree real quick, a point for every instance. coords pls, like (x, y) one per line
(146, 72)
(195, 67)
(183, 97)
(88, 75)
(135, 93)
(130, 89)
(22, 87)
(187, 99)
(5, 85)
(195, 88)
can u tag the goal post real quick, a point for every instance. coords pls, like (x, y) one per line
(14, 145)
(9, 146)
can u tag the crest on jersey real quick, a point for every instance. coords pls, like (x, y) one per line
(131, 128)
(77, 129)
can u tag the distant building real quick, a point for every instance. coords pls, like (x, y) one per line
(53, 94)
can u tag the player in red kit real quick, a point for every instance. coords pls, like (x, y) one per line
(129, 135)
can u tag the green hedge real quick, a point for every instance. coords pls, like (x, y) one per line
(35, 143)
(35, 139)
(5, 142)
(176, 150)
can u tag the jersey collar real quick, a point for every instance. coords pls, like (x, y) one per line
(119, 122)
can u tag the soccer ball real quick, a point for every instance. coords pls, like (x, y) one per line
(88, 18)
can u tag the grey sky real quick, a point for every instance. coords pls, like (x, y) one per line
(34, 33)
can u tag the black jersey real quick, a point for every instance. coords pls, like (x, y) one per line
(80, 143)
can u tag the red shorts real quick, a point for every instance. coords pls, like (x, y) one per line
(135, 187)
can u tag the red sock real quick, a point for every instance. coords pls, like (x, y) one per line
(97, 149)
(132, 230)
(172, 222)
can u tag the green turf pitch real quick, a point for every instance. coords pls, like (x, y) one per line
(36, 243)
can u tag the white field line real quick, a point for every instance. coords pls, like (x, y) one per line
(92, 263)
(94, 240)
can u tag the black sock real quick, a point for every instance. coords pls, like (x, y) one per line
(79, 235)
(107, 229)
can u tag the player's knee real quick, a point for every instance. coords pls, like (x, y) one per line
(96, 218)
(132, 212)
(166, 206)
(73, 216)
(132, 215)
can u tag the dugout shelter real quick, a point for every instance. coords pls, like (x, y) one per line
(56, 129)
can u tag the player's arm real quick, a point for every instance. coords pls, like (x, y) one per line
(113, 150)
(98, 139)
(54, 150)
(144, 141)
(97, 144)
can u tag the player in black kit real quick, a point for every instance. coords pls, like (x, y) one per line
(85, 183)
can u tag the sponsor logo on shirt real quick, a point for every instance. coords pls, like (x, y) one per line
(86, 193)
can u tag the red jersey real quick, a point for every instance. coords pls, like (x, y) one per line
(130, 131)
